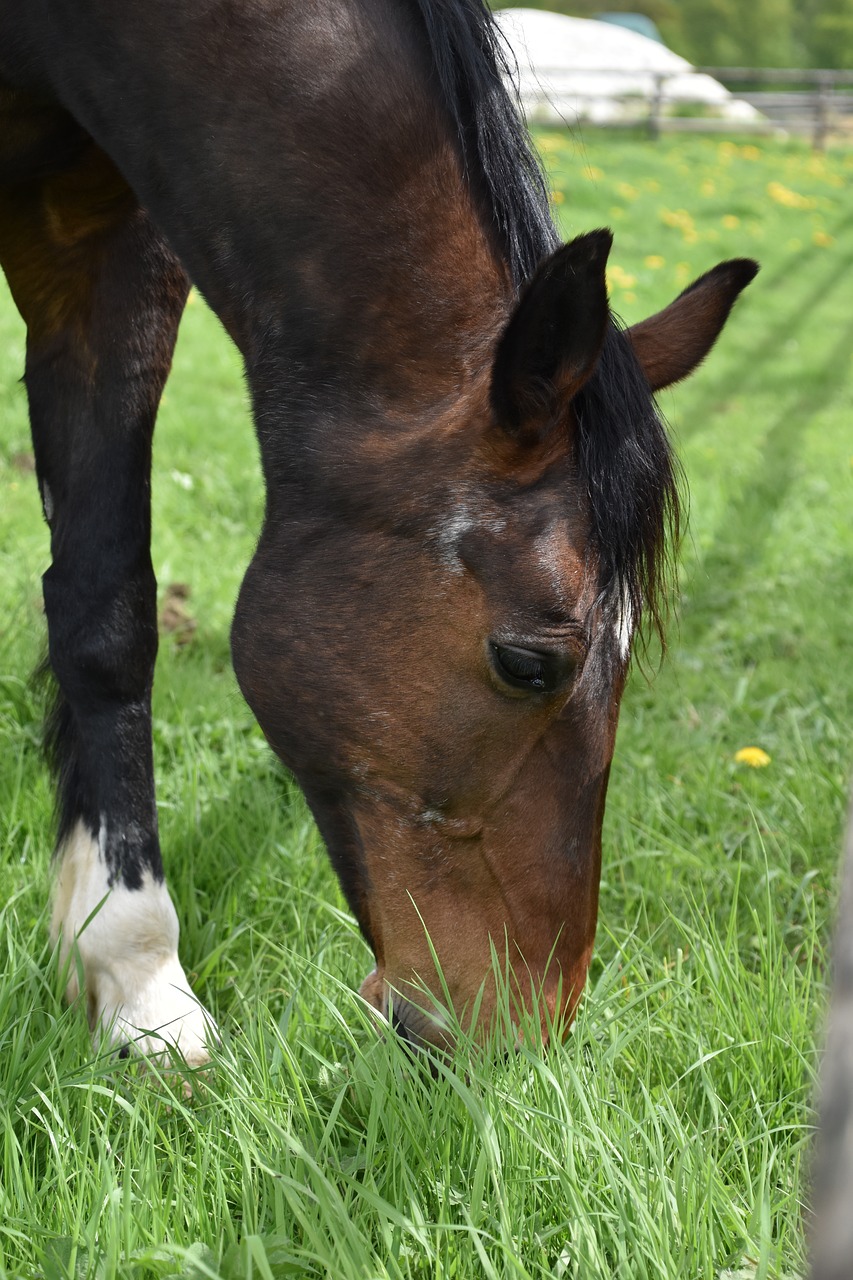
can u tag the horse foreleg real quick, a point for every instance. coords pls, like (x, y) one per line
(102, 297)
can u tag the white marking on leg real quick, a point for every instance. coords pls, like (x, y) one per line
(127, 941)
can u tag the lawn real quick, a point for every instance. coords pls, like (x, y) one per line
(669, 1137)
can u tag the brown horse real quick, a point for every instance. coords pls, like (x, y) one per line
(468, 485)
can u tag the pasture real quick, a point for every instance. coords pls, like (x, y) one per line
(669, 1136)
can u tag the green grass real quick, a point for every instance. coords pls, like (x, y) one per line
(669, 1136)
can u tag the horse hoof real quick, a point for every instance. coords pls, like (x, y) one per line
(159, 1019)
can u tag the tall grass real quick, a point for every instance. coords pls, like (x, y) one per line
(669, 1135)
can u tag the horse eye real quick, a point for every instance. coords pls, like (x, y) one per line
(525, 669)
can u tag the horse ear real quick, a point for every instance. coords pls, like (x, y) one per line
(672, 343)
(553, 338)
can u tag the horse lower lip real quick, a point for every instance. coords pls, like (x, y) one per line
(402, 1030)
(416, 1026)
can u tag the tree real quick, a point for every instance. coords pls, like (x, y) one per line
(744, 33)
(731, 33)
(825, 32)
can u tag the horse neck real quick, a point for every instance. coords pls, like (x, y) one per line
(395, 307)
(299, 163)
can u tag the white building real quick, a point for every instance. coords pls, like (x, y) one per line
(574, 69)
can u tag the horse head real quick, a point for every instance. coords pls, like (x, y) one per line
(436, 629)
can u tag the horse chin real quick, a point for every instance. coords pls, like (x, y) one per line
(374, 991)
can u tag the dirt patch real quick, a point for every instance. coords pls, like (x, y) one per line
(175, 616)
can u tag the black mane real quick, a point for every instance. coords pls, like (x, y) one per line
(629, 471)
(624, 458)
(474, 66)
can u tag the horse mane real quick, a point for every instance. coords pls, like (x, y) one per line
(474, 66)
(630, 474)
(623, 457)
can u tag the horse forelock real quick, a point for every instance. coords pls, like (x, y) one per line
(628, 471)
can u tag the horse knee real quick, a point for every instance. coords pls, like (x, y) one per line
(102, 642)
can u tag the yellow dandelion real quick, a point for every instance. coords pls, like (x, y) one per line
(558, 197)
(651, 184)
(708, 187)
(683, 272)
(592, 173)
(682, 221)
(620, 277)
(616, 211)
(654, 261)
(629, 297)
(755, 757)
(822, 239)
(791, 199)
(626, 191)
(750, 152)
(191, 297)
(730, 221)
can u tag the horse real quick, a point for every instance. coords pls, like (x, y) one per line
(470, 497)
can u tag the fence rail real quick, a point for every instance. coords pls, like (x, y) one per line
(816, 103)
(823, 105)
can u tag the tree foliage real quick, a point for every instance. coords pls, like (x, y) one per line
(760, 33)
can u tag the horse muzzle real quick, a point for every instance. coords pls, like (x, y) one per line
(416, 1025)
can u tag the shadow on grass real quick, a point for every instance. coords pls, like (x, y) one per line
(751, 366)
(747, 524)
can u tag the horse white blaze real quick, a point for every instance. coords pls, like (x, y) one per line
(127, 942)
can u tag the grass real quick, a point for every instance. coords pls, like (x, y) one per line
(669, 1136)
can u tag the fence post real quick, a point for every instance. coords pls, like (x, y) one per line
(656, 108)
(821, 119)
(832, 1223)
